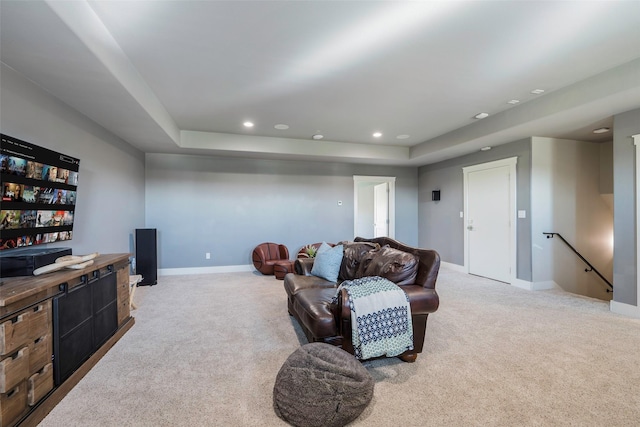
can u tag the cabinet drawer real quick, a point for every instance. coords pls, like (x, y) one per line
(14, 369)
(123, 292)
(14, 333)
(39, 384)
(40, 351)
(13, 404)
(123, 311)
(123, 280)
(40, 320)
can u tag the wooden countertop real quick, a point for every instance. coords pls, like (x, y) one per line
(14, 289)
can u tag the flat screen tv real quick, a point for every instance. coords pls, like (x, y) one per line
(39, 190)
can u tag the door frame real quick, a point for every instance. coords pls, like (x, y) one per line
(636, 142)
(513, 242)
(391, 180)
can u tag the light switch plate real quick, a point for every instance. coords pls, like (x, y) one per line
(522, 214)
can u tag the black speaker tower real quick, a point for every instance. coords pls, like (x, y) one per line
(146, 256)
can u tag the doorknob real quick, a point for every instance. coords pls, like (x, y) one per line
(469, 227)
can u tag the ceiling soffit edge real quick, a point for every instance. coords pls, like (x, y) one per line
(82, 20)
(590, 94)
(296, 147)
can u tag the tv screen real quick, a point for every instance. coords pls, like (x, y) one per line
(39, 190)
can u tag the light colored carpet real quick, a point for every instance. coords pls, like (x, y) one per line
(205, 351)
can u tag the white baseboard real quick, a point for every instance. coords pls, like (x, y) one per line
(455, 267)
(541, 286)
(534, 286)
(205, 270)
(624, 309)
(518, 283)
(522, 284)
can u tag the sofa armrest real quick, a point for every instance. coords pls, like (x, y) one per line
(343, 320)
(303, 266)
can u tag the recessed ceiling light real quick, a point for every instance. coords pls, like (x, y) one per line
(485, 149)
(377, 134)
(402, 136)
(537, 91)
(281, 127)
(481, 115)
(601, 130)
(513, 101)
(248, 124)
(317, 136)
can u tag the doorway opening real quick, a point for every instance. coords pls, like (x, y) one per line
(374, 206)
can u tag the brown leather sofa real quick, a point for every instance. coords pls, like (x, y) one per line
(265, 256)
(310, 299)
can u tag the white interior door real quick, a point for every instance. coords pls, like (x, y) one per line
(490, 208)
(381, 210)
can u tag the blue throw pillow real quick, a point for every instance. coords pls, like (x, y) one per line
(327, 262)
(324, 246)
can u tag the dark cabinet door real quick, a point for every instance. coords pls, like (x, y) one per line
(105, 309)
(73, 331)
(84, 317)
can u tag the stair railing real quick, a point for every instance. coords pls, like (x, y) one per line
(590, 267)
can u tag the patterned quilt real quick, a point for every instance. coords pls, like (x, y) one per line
(380, 317)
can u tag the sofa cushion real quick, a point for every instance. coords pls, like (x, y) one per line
(327, 262)
(398, 266)
(355, 259)
(295, 283)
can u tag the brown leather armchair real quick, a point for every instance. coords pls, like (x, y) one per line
(266, 254)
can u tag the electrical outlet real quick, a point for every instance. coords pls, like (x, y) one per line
(207, 255)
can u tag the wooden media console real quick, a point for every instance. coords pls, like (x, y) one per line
(53, 329)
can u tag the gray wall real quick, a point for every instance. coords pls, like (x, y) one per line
(441, 227)
(624, 191)
(226, 206)
(110, 201)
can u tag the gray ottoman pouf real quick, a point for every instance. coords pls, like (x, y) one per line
(320, 385)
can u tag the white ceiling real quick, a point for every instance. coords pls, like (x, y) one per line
(182, 76)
